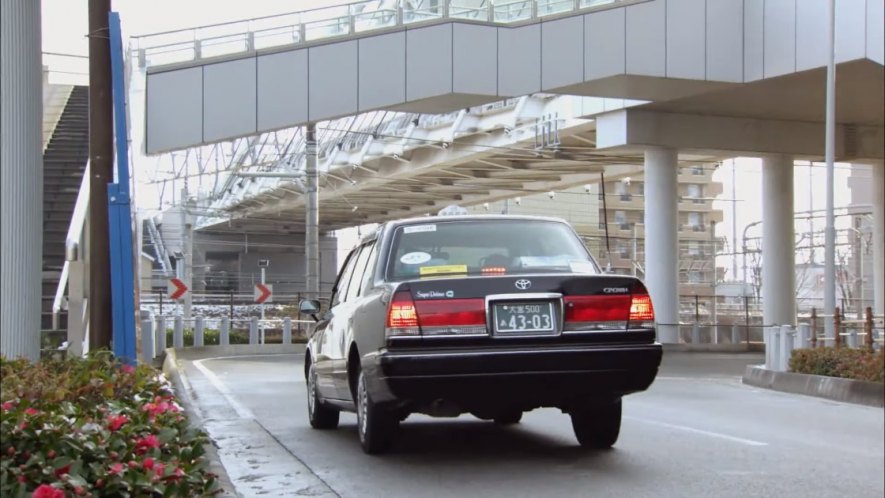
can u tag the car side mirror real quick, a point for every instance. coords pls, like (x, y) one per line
(309, 307)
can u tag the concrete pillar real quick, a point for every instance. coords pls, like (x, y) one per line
(661, 246)
(21, 178)
(778, 246)
(879, 238)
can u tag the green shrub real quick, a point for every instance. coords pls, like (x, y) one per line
(91, 427)
(848, 363)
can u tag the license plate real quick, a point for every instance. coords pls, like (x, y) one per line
(516, 318)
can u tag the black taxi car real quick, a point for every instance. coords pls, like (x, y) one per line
(488, 315)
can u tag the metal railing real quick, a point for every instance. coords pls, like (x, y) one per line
(780, 341)
(162, 331)
(77, 304)
(299, 28)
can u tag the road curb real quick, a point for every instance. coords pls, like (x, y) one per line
(837, 389)
(172, 372)
(198, 353)
(714, 348)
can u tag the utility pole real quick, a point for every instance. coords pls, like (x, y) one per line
(734, 225)
(830, 139)
(312, 243)
(101, 165)
(187, 248)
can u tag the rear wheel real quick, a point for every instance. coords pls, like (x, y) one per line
(376, 425)
(597, 425)
(508, 418)
(320, 415)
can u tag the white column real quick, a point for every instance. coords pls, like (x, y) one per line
(879, 238)
(661, 246)
(21, 178)
(778, 234)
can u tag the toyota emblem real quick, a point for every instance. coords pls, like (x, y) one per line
(523, 284)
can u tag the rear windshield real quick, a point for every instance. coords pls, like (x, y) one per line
(486, 247)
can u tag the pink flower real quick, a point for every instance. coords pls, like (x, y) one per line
(146, 443)
(7, 406)
(32, 411)
(117, 421)
(159, 469)
(148, 463)
(116, 468)
(128, 369)
(47, 491)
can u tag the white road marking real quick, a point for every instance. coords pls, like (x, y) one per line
(238, 407)
(734, 439)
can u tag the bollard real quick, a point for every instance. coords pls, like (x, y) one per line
(852, 338)
(695, 334)
(803, 336)
(178, 333)
(253, 330)
(224, 333)
(772, 349)
(868, 329)
(160, 335)
(735, 334)
(147, 341)
(198, 331)
(287, 330)
(785, 348)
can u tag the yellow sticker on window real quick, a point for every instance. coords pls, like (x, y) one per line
(441, 270)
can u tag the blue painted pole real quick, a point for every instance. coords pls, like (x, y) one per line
(120, 213)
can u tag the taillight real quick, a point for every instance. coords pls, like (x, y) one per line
(589, 313)
(452, 317)
(436, 317)
(642, 313)
(620, 312)
(402, 318)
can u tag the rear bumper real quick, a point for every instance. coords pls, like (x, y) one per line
(524, 377)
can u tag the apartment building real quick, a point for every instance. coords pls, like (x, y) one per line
(624, 211)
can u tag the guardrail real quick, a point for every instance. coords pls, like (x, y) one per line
(780, 341)
(298, 28)
(157, 335)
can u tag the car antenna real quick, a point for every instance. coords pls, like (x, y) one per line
(608, 252)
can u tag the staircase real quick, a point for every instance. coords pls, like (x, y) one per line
(64, 160)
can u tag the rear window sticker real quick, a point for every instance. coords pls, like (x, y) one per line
(419, 228)
(442, 270)
(415, 258)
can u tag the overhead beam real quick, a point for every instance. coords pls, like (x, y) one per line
(633, 129)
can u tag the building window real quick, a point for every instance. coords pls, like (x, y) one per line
(697, 170)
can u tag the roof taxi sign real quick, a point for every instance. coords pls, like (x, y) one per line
(452, 210)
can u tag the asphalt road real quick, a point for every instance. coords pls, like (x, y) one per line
(697, 432)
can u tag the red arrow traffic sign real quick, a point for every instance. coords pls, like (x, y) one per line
(176, 288)
(263, 293)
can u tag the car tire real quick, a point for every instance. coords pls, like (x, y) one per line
(319, 414)
(375, 425)
(508, 418)
(598, 425)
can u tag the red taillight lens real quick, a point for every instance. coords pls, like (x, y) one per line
(402, 318)
(452, 312)
(590, 309)
(437, 317)
(641, 309)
